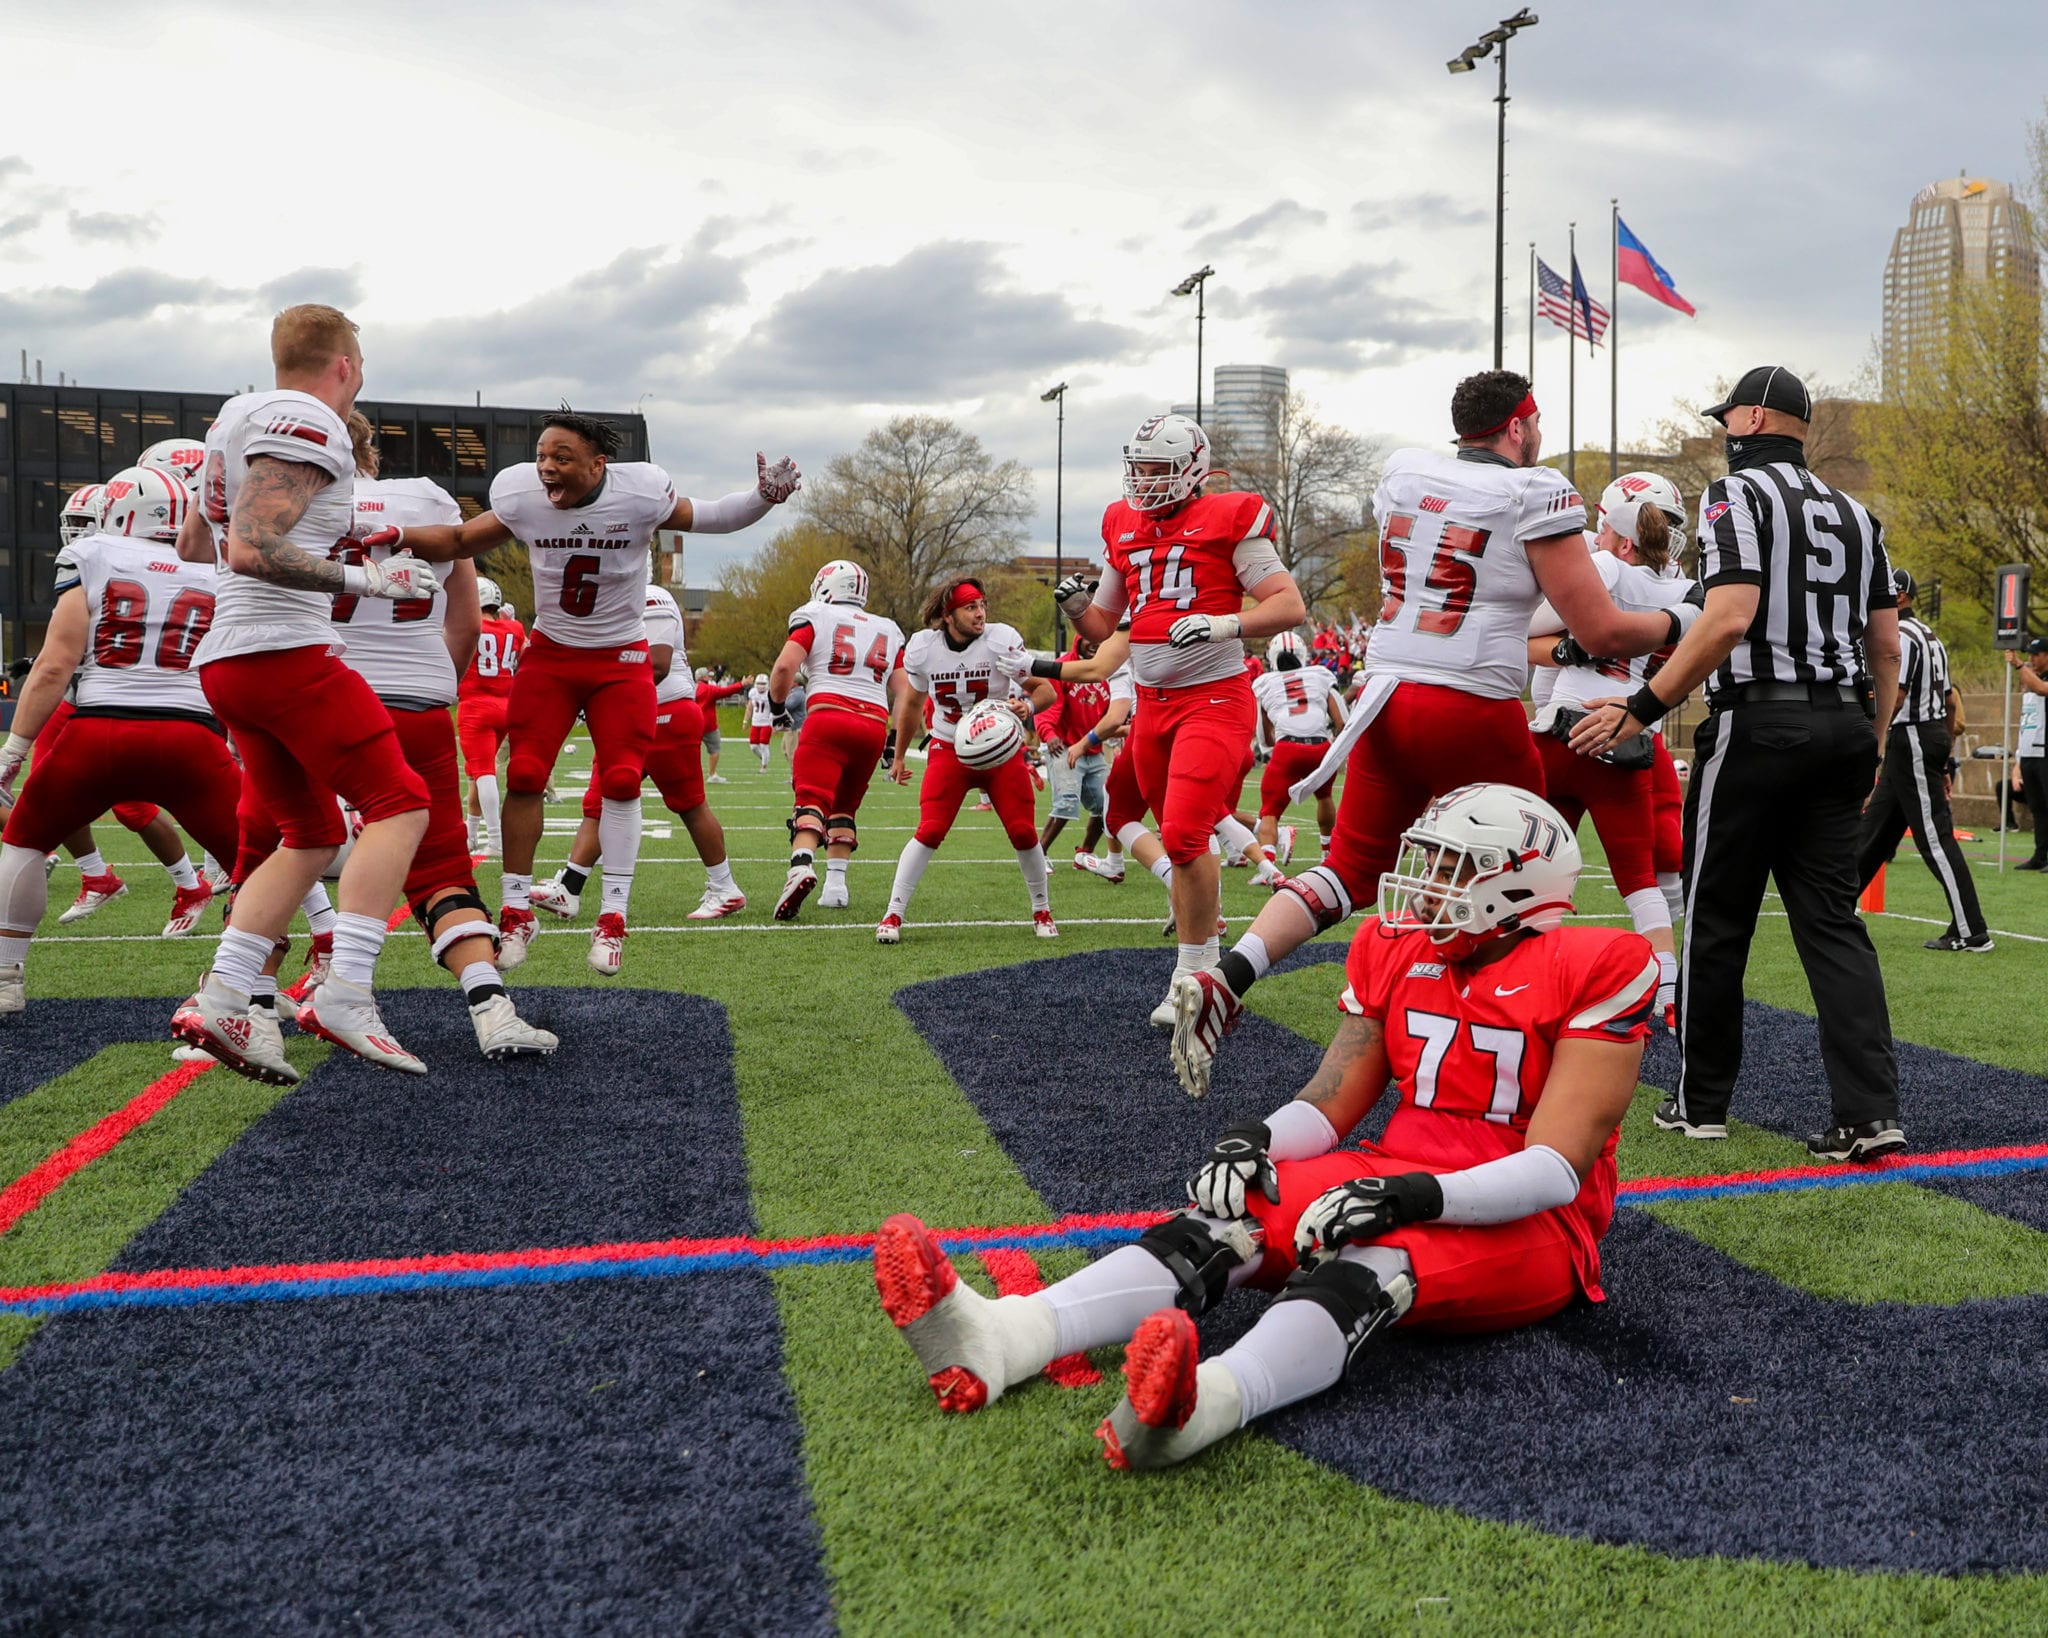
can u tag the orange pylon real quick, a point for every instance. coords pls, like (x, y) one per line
(1872, 901)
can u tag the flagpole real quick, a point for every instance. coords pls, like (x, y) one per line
(1571, 420)
(1613, 340)
(1532, 312)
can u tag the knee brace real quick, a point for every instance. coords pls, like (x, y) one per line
(1322, 893)
(24, 888)
(476, 925)
(806, 818)
(1351, 1294)
(1200, 1253)
(840, 832)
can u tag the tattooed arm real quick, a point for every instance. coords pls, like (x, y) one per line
(274, 496)
(1352, 1075)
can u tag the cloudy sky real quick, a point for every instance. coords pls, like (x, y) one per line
(776, 224)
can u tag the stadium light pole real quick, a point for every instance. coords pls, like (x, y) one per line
(1464, 63)
(1058, 395)
(1192, 286)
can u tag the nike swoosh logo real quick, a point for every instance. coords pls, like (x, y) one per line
(1194, 531)
(1517, 990)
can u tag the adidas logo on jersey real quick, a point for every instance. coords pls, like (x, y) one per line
(1426, 969)
(581, 529)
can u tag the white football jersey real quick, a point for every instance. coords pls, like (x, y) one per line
(665, 630)
(1297, 702)
(959, 679)
(1123, 685)
(1635, 590)
(149, 612)
(758, 713)
(590, 561)
(852, 655)
(252, 616)
(1457, 589)
(399, 649)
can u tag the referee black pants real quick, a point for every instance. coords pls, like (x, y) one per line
(1777, 793)
(1910, 793)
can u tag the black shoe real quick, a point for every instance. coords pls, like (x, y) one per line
(1866, 1142)
(2033, 864)
(1952, 942)
(1668, 1119)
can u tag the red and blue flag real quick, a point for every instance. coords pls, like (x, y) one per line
(1635, 265)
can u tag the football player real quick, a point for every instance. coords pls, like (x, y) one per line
(1074, 724)
(956, 662)
(1468, 545)
(1515, 1044)
(855, 662)
(480, 709)
(1299, 705)
(760, 721)
(587, 521)
(676, 766)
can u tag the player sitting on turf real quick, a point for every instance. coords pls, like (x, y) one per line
(1515, 1044)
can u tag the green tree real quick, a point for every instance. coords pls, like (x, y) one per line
(1319, 480)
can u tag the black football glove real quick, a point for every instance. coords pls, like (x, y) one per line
(1364, 1209)
(1568, 652)
(1237, 1164)
(778, 714)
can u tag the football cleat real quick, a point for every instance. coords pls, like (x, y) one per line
(796, 887)
(983, 806)
(718, 902)
(1083, 861)
(961, 1338)
(1268, 875)
(516, 930)
(1950, 943)
(503, 1035)
(890, 929)
(608, 944)
(183, 1054)
(1041, 924)
(1110, 867)
(1172, 1408)
(186, 908)
(555, 899)
(49, 862)
(1668, 1119)
(219, 1021)
(13, 989)
(215, 874)
(833, 895)
(345, 1013)
(1285, 850)
(716, 779)
(1204, 1011)
(94, 893)
(1162, 1015)
(1868, 1141)
(319, 962)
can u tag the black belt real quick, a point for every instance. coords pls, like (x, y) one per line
(1829, 695)
(1300, 739)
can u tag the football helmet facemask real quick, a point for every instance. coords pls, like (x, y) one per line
(83, 514)
(841, 581)
(1482, 861)
(1165, 463)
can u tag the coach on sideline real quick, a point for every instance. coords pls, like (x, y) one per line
(1799, 647)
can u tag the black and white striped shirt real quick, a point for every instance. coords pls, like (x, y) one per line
(1817, 559)
(1923, 674)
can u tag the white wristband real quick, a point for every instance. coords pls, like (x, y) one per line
(1300, 1131)
(355, 580)
(740, 510)
(1512, 1187)
(17, 747)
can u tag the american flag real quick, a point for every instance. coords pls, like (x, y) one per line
(1554, 302)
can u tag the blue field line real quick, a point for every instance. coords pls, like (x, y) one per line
(2003, 1166)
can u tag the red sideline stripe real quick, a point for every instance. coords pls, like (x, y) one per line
(1016, 1275)
(397, 919)
(1889, 1163)
(33, 1187)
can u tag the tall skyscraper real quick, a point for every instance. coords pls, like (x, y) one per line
(1961, 231)
(1243, 409)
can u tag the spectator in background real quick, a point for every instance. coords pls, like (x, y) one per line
(709, 693)
(1072, 729)
(2030, 766)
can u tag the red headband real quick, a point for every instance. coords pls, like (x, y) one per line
(963, 594)
(1525, 408)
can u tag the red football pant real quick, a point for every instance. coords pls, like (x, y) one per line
(136, 816)
(441, 862)
(761, 733)
(1291, 761)
(947, 780)
(1426, 741)
(1189, 744)
(675, 764)
(1667, 804)
(614, 690)
(1123, 802)
(309, 728)
(1620, 801)
(835, 758)
(1489, 1278)
(480, 725)
(99, 761)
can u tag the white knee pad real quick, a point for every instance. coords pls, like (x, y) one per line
(24, 889)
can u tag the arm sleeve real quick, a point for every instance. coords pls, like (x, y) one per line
(1255, 559)
(1879, 593)
(1613, 993)
(1550, 506)
(70, 568)
(742, 509)
(1729, 553)
(1112, 594)
(1512, 1187)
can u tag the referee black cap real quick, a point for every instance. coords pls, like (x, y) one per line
(1772, 386)
(1904, 585)
(2038, 646)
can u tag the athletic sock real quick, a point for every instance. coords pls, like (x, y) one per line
(1294, 1351)
(1672, 886)
(13, 950)
(357, 940)
(1253, 949)
(1209, 955)
(238, 959)
(1323, 842)
(619, 825)
(909, 872)
(802, 856)
(264, 992)
(1667, 979)
(1031, 860)
(1192, 959)
(573, 878)
(720, 877)
(480, 983)
(1236, 970)
(488, 799)
(318, 908)
(1162, 867)
(517, 891)
(1104, 1302)
(183, 876)
(91, 864)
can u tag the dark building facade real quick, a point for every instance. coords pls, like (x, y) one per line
(53, 439)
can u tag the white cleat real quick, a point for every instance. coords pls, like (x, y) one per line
(182, 1054)
(890, 929)
(1110, 867)
(218, 1020)
(608, 944)
(1042, 925)
(1269, 876)
(796, 887)
(1172, 1407)
(1204, 1011)
(503, 1035)
(1162, 1015)
(971, 1348)
(555, 899)
(13, 989)
(716, 779)
(187, 907)
(215, 875)
(516, 930)
(833, 895)
(94, 893)
(717, 902)
(1286, 841)
(346, 1013)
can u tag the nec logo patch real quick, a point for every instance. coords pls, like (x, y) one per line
(1426, 969)
(1716, 512)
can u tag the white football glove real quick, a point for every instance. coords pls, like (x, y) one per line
(1074, 594)
(12, 755)
(401, 577)
(778, 482)
(1364, 1209)
(1191, 629)
(1016, 662)
(1237, 1164)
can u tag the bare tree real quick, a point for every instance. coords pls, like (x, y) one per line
(919, 499)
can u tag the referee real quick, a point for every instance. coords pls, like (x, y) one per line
(1912, 789)
(1798, 640)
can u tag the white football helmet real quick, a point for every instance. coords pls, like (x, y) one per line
(1285, 653)
(1176, 443)
(83, 513)
(184, 456)
(841, 581)
(1621, 500)
(488, 593)
(1482, 861)
(146, 503)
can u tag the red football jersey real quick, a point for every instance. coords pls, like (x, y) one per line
(1470, 1048)
(1181, 563)
(497, 658)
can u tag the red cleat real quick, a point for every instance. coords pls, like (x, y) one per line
(917, 1284)
(1159, 1392)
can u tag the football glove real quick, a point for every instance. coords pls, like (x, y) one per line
(778, 714)
(1568, 652)
(12, 755)
(389, 536)
(778, 482)
(1015, 662)
(401, 577)
(1191, 629)
(1364, 1209)
(1074, 594)
(1237, 1164)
